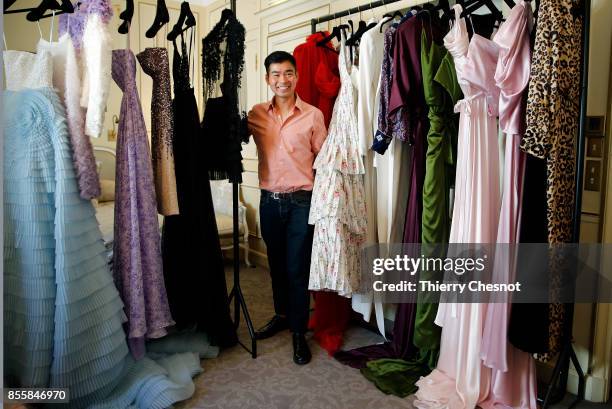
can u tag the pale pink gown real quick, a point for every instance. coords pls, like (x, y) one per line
(514, 380)
(460, 379)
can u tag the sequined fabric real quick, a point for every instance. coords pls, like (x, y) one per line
(154, 62)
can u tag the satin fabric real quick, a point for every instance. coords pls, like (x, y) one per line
(441, 93)
(514, 378)
(460, 379)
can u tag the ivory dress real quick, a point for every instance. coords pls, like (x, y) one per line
(338, 209)
(67, 81)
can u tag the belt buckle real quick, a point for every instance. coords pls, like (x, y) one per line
(275, 195)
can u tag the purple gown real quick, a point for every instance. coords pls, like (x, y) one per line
(137, 262)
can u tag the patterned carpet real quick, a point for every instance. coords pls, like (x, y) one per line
(273, 381)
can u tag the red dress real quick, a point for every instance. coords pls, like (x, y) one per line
(318, 84)
(318, 76)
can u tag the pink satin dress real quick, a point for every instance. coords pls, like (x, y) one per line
(477, 365)
(460, 379)
(513, 382)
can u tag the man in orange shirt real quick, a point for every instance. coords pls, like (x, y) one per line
(288, 133)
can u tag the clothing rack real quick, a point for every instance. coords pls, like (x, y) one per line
(557, 386)
(236, 293)
(567, 354)
(348, 12)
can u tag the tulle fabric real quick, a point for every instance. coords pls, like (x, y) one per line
(63, 315)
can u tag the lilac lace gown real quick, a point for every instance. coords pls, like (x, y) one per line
(137, 251)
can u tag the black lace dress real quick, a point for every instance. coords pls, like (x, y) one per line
(193, 262)
(224, 126)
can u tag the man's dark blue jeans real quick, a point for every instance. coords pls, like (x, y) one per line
(288, 238)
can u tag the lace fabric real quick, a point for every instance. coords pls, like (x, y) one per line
(225, 123)
(28, 70)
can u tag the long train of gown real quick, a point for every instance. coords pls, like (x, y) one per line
(513, 382)
(62, 312)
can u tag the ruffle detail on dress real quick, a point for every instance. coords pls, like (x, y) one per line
(338, 208)
(337, 265)
(339, 196)
(183, 342)
(155, 384)
(55, 271)
(437, 391)
(339, 151)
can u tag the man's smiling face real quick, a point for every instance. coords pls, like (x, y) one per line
(282, 79)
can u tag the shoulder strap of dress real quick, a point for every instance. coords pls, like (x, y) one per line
(458, 9)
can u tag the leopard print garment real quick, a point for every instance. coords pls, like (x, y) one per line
(552, 123)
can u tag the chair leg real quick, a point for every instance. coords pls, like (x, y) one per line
(246, 254)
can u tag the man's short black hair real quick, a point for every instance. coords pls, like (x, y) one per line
(277, 57)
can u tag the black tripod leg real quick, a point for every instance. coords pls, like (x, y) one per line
(581, 379)
(552, 386)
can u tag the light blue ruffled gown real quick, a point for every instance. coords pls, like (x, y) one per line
(62, 313)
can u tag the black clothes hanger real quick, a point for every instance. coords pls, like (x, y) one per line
(7, 4)
(396, 14)
(478, 4)
(334, 34)
(126, 15)
(483, 24)
(225, 15)
(38, 12)
(363, 27)
(389, 17)
(350, 23)
(444, 7)
(161, 17)
(65, 7)
(433, 14)
(186, 17)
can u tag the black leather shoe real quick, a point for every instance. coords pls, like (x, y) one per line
(301, 352)
(276, 324)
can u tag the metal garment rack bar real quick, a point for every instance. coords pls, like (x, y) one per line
(567, 354)
(348, 12)
(236, 293)
(557, 386)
